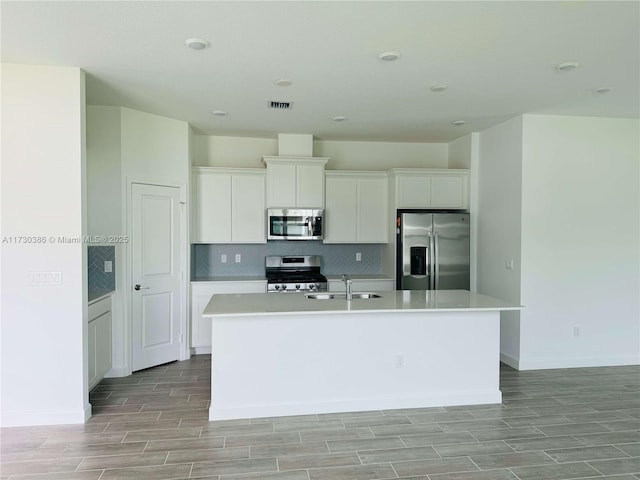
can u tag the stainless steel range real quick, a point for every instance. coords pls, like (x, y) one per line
(294, 274)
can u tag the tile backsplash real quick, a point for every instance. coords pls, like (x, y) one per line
(100, 282)
(336, 259)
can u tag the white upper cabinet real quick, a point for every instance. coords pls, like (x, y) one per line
(340, 214)
(437, 189)
(356, 207)
(229, 205)
(295, 182)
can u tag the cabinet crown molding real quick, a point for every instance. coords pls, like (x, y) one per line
(429, 171)
(295, 160)
(234, 171)
(356, 173)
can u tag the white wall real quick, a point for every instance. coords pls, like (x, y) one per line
(44, 330)
(460, 152)
(381, 155)
(222, 151)
(104, 172)
(580, 242)
(499, 225)
(154, 148)
(242, 152)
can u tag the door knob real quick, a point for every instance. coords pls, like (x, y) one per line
(138, 287)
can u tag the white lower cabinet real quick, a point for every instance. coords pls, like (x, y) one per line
(363, 285)
(99, 337)
(201, 293)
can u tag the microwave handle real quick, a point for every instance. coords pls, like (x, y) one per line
(309, 222)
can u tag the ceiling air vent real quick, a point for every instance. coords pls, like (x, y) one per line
(281, 105)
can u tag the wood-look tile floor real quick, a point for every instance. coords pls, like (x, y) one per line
(552, 425)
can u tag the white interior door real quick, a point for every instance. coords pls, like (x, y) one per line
(156, 275)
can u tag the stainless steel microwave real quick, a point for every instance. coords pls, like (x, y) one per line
(294, 224)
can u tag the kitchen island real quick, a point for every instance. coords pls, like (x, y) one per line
(286, 354)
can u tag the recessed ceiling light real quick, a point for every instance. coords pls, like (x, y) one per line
(283, 82)
(389, 56)
(602, 90)
(197, 43)
(457, 123)
(219, 113)
(567, 66)
(339, 118)
(438, 88)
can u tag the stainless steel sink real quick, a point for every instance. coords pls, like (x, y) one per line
(341, 296)
(365, 295)
(323, 296)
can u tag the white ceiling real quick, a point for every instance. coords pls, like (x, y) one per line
(497, 58)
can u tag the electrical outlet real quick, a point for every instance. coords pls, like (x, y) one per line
(576, 331)
(108, 266)
(508, 263)
(399, 361)
(223, 258)
(238, 258)
(358, 256)
(44, 278)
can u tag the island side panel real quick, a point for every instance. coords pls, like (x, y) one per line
(278, 365)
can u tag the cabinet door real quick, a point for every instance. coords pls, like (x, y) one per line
(92, 363)
(248, 216)
(309, 186)
(281, 185)
(200, 295)
(213, 207)
(340, 213)
(447, 192)
(372, 210)
(103, 344)
(414, 191)
(200, 327)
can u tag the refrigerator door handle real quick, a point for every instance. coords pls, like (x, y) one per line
(431, 263)
(436, 261)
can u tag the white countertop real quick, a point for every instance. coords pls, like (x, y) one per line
(395, 301)
(230, 278)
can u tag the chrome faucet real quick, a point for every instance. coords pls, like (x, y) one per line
(348, 286)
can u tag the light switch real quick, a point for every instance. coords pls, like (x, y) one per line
(108, 266)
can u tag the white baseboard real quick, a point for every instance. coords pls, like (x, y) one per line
(118, 372)
(353, 405)
(200, 350)
(28, 418)
(509, 360)
(577, 362)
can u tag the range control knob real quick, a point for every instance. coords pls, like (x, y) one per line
(284, 287)
(277, 287)
(298, 287)
(312, 286)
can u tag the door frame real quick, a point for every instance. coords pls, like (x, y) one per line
(185, 354)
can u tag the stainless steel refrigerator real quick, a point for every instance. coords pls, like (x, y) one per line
(432, 251)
